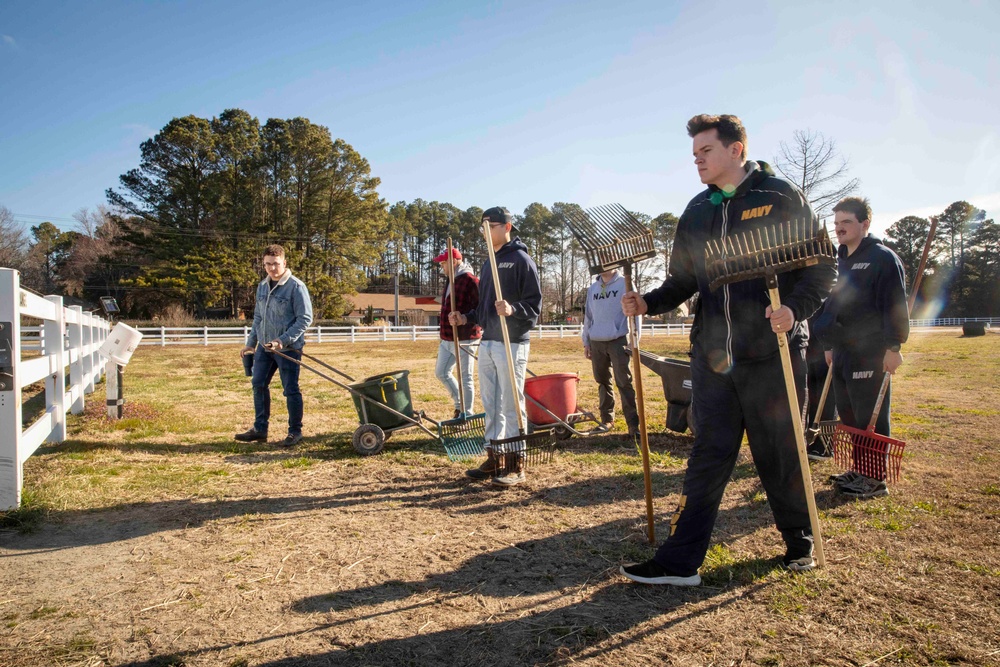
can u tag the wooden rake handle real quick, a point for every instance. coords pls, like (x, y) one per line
(822, 396)
(503, 324)
(454, 328)
(793, 406)
(878, 402)
(641, 409)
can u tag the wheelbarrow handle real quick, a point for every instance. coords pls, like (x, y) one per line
(354, 392)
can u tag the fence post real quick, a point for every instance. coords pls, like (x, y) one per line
(204, 334)
(87, 351)
(319, 333)
(163, 337)
(10, 390)
(353, 329)
(55, 383)
(413, 332)
(76, 355)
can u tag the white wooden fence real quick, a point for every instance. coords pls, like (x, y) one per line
(205, 335)
(67, 337)
(163, 336)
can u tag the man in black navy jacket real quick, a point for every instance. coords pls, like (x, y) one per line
(737, 380)
(862, 326)
(521, 290)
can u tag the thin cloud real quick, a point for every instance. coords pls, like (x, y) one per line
(9, 41)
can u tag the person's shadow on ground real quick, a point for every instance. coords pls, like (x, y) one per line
(561, 600)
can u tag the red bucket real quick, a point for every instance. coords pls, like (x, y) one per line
(557, 392)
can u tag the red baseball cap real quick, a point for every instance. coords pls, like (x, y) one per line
(454, 253)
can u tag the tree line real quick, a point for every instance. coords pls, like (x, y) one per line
(184, 230)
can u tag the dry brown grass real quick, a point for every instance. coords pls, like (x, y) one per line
(163, 542)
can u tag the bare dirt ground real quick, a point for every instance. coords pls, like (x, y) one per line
(158, 541)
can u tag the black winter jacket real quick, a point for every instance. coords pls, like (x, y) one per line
(519, 286)
(730, 325)
(867, 309)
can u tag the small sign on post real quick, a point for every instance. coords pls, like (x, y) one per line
(118, 349)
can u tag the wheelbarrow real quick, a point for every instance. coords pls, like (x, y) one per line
(384, 406)
(551, 405)
(676, 377)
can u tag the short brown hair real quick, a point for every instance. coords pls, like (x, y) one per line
(859, 207)
(730, 129)
(274, 250)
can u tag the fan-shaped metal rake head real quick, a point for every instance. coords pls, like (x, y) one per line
(611, 237)
(776, 249)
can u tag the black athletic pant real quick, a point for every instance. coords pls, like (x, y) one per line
(857, 378)
(607, 356)
(751, 396)
(816, 369)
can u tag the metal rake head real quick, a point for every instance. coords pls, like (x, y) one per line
(611, 237)
(776, 249)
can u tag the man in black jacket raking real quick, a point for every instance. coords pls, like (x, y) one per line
(737, 380)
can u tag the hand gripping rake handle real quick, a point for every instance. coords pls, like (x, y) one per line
(793, 406)
(454, 328)
(640, 405)
(503, 324)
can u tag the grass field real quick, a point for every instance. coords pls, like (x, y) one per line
(157, 540)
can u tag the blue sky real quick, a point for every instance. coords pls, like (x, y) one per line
(485, 103)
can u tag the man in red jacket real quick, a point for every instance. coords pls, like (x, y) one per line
(466, 298)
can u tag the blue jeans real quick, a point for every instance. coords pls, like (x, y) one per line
(499, 400)
(264, 365)
(446, 366)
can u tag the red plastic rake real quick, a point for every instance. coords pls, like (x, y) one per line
(867, 452)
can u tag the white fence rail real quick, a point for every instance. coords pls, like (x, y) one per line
(67, 337)
(163, 336)
(205, 335)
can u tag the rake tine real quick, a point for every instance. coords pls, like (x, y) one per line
(745, 249)
(783, 247)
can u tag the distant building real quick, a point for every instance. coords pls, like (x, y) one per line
(413, 310)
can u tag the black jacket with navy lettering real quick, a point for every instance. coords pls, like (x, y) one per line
(519, 286)
(867, 310)
(730, 325)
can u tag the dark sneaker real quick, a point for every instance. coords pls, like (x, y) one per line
(290, 440)
(818, 451)
(844, 478)
(487, 469)
(799, 545)
(253, 435)
(513, 472)
(602, 428)
(802, 564)
(864, 488)
(510, 479)
(653, 573)
(458, 413)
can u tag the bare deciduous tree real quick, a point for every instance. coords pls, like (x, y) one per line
(13, 240)
(813, 163)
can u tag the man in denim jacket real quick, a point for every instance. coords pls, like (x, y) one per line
(283, 312)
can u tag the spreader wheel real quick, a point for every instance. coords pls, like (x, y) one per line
(560, 432)
(368, 440)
